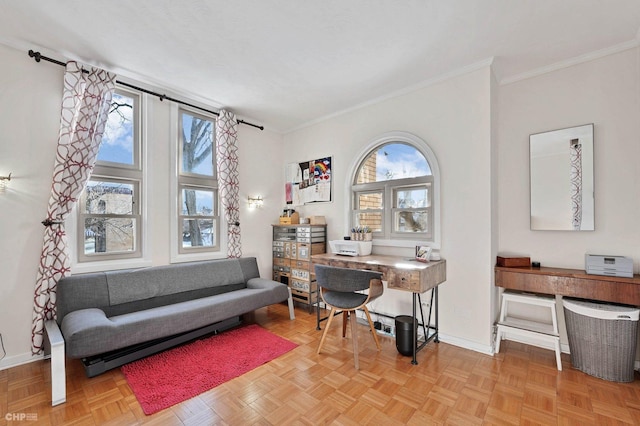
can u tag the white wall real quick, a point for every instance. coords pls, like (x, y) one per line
(30, 97)
(605, 92)
(454, 118)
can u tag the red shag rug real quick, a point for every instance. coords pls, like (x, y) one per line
(173, 376)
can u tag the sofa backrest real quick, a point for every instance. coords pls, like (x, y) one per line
(120, 292)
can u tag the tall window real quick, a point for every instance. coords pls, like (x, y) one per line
(393, 192)
(198, 217)
(109, 210)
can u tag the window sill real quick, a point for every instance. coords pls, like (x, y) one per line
(194, 257)
(109, 265)
(404, 243)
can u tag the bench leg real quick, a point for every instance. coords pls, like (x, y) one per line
(292, 314)
(498, 339)
(55, 343)
(557, 349)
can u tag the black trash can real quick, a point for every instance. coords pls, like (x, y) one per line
(404, 334)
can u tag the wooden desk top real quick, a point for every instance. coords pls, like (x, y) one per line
(570, 282)
(401, 273)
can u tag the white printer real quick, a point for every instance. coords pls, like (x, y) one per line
(351, 247)
(614, 266)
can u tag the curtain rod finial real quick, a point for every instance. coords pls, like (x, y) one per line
(35, 55)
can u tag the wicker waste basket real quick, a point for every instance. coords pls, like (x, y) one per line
(602, 338)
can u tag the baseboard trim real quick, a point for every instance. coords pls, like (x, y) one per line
(465, 344)
(20, 359)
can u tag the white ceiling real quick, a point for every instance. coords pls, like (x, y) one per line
(286, 63)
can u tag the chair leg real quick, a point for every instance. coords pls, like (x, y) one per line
(345, 317)
(373, 329)
(326, 328)
(354, 337)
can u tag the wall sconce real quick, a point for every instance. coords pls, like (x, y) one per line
(255, 202)
(4, 182)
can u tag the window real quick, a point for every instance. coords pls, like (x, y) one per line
(198, 220)
(393, 190)
(109, 210)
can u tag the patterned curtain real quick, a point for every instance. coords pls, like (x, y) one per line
(85, 106)
(575, 158)
(227, 159)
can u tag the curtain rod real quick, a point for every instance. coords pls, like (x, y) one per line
(38, 57)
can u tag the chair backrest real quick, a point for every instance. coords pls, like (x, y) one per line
(344, 279)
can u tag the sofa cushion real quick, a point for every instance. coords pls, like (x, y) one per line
(140, 284)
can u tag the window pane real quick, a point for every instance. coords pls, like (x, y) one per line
(197, 202)
(411, 198)
(197, 145)
(411, 221)
(370, 200)
(373, 220)
(198, 233)
(109, 235)
(109, 198)
(393, 161)
(118, 138)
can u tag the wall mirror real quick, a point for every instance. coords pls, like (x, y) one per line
(561, 167)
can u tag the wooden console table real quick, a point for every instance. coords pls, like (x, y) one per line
(571, 283)
(400, 273)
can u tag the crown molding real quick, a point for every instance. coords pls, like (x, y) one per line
(409, 89)
(587, 57)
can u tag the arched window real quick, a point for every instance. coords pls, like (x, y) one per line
(394, 189)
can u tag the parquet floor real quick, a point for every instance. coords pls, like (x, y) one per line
(521, 385)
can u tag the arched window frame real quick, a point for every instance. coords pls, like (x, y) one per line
(387, 238)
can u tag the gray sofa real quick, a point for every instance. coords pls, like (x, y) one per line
(110, 318)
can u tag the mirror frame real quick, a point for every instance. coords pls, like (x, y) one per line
(550, 192)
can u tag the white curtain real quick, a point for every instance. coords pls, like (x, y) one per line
(228, 182)
(85, 106)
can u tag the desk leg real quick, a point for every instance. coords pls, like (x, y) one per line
(426, 325)
(414, 326)
(435, 291)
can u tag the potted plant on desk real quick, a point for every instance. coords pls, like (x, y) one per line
(361, 233)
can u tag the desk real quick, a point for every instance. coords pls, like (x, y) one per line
(570, 282)
(403, 274)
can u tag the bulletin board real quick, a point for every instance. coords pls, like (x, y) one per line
(308, 182)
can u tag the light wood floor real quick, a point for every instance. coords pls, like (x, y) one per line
(521, 385)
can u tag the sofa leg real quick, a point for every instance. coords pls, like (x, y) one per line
(292, 315)
(55, 343)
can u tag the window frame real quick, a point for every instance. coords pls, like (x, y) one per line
(195, 181)
(425, 182)
(215, 217)
(388, 237)
(135, 215)
(357, 210)
(130, 174)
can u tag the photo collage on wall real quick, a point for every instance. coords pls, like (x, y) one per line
(308, 182)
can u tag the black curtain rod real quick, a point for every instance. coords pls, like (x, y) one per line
(38, 57)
